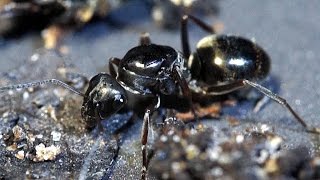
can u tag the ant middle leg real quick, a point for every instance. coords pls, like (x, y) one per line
(184, 32)
(219, 90)
(185, 89)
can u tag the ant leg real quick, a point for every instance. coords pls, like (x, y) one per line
(241, 83)
(144, 140)
(113, 61)
(144, 137)
(184, 32)
(276, 98)
(145, 39)
(185, 89)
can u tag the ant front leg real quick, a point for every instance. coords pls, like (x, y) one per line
(184, 32)
(144, 136)
(218, 90)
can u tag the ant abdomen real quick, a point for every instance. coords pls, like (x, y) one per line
(222, 58)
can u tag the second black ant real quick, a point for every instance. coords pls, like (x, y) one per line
(149, 74)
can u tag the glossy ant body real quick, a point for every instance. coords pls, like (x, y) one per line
(150, 73)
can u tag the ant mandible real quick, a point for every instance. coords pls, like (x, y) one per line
(150, 73)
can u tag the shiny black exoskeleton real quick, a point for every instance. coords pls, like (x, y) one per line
(148, 70)
(102, 99)
(146, 74)
(152, 72)
(221, 58)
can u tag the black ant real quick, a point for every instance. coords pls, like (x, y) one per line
(149, 74)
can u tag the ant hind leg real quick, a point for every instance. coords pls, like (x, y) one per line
(218, 90)
(184, 32)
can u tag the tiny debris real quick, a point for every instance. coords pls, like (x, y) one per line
(56, 136)
(271, 166)
(198, 156)
(233, 121)
(35, 57)
(20, 155)
(239, 138)
(260, 129)
(265, 128)
(52, 36)
(213, 111)
(18, 133)
(14, 138)
(44, 153)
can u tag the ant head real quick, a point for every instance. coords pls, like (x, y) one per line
(104, 97)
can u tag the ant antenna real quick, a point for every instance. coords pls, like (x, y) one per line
(39, 83)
